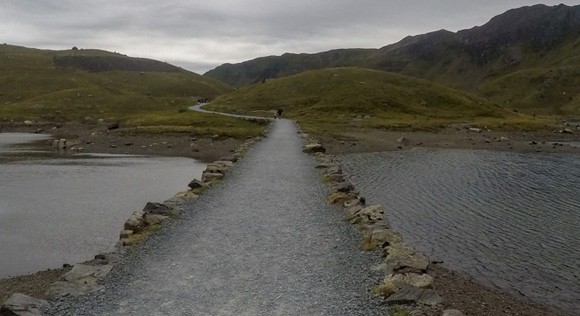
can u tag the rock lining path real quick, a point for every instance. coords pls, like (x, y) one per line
(262, 242)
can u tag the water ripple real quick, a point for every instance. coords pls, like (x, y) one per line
(508, 219)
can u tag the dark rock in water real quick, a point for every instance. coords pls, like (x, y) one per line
(156, 208)
(194, 184)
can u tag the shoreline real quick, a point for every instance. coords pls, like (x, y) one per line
(100, 140)
(366, 141)
(459, 291)
(206, 150)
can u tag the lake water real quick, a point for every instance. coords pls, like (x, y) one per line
(509, 220)
(65, 209)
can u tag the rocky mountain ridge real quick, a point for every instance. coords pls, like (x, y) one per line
(534, 37)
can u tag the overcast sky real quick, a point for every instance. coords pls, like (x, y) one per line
(200, 35)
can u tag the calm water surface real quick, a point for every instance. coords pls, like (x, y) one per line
(510, 220)
(67, 209)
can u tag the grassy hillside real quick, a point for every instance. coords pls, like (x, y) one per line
(537, 47)
(339, 99)
(547, 83)
(86, 86)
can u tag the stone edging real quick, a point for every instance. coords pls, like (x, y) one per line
(406, 280)
(83, 277)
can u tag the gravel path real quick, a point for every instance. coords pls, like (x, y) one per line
(263, 242)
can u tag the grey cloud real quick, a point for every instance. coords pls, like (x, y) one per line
(203, 34)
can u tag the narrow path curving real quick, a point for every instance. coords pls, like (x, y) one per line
(262, 242)
(198, 108)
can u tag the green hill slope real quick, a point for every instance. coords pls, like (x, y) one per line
(91, 85)
(332, 100)
(519, 43)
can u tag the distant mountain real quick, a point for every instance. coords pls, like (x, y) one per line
(545, 39)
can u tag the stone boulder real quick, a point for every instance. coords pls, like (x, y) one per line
(224, 163)
(334, 170)
(353, 203)
(157, 208)
(211, 176)
(180, 198)
(340, 197)
(369, 215)
(398, 281)
(413, 295)
(153, 219)
(334, 177)
(313, 148)
(86, 274)
(232, 159)
(343, 187)
(380, 239)
(135, 222)
(22, 305)
(216, 168)
(80, 279)
(125, 234)
(396, 253)
(417, 262)
(196, 184)
(401, 257)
